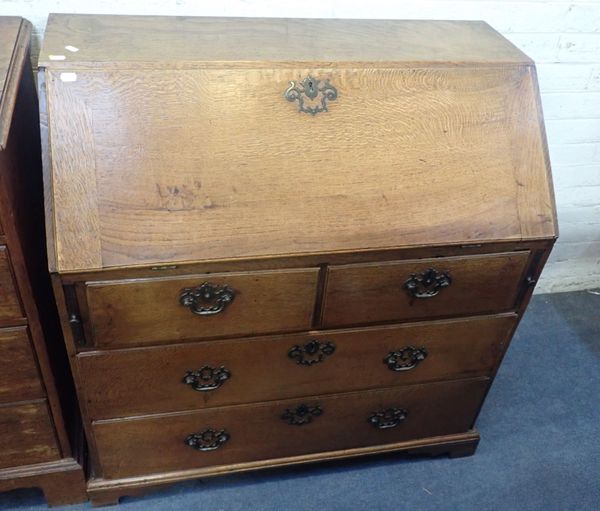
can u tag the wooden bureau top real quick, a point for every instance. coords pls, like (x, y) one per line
(183, 41)
(14, 40)
(152, 161)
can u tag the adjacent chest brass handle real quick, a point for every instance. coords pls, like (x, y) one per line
(311, 94)
(301, 415)
(405, 359)
(313, 352)
(428, 283)
(388, 418)
(207, 440)
(207, 378)
(206, 299)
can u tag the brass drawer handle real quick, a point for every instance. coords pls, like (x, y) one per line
(301, 415)
(428, 283)
(388, 418)
(405, 359)
(207, 378)
(207, 440)
(317, 92)
(313, 352)
(206, 299)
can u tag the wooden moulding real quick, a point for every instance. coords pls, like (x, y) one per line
(62, 481)
(105, 492)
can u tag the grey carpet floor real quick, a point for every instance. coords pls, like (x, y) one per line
(540, 447)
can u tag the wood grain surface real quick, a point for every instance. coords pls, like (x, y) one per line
(403, 157)
(10, 305)
(261, 369)
(147, 311)
(19, 376)
(172, 41)
(14, 42)
(26, 435)
(156, 444)
(357, 294)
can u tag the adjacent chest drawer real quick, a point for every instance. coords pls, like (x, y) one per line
(19, 378)
(148, 311)
(208, 374)
(26, 435)
(10, 307)
(285, 428)
(436, 287)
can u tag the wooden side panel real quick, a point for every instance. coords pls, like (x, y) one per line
(258, 432)
(19, 377)
(184, 164)
(10, 306)
(370, 293)
(148, 311)
(26, 435)
(72, 145)
(262, 370)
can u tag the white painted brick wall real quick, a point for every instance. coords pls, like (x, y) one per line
(563, 37)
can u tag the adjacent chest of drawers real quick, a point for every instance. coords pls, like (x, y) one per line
(35, 446)
(278, 241)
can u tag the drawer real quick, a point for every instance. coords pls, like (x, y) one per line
(19, 378)
(145, 311)
(436, 287)
(208, 374)
(236, 434)
(26, 435)
(10, 306)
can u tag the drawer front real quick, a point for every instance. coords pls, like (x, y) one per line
(201, 306)
(10, 307)
(26, 435)
(437, 287)
(208, 374)
(285, 428)
(19, 377)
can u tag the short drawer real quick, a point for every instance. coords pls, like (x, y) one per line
(436, 287)
(278, 429)
(208, 374)
(26, 435)
(10, 306)
(19, 378)
(146, 311)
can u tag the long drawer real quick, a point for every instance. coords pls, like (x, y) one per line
(147, 311)
(120, 383)
(237, 434)
(26, 435)
(420, 288)
(19, 377)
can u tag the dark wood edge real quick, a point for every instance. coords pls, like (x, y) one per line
(105, 491)
(8, 97)
(300, 260)
(71, 353)
(542, 126)
(46, 170)
(61, 481)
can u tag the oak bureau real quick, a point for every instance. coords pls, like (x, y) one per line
(38, 429)
(281, 241)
